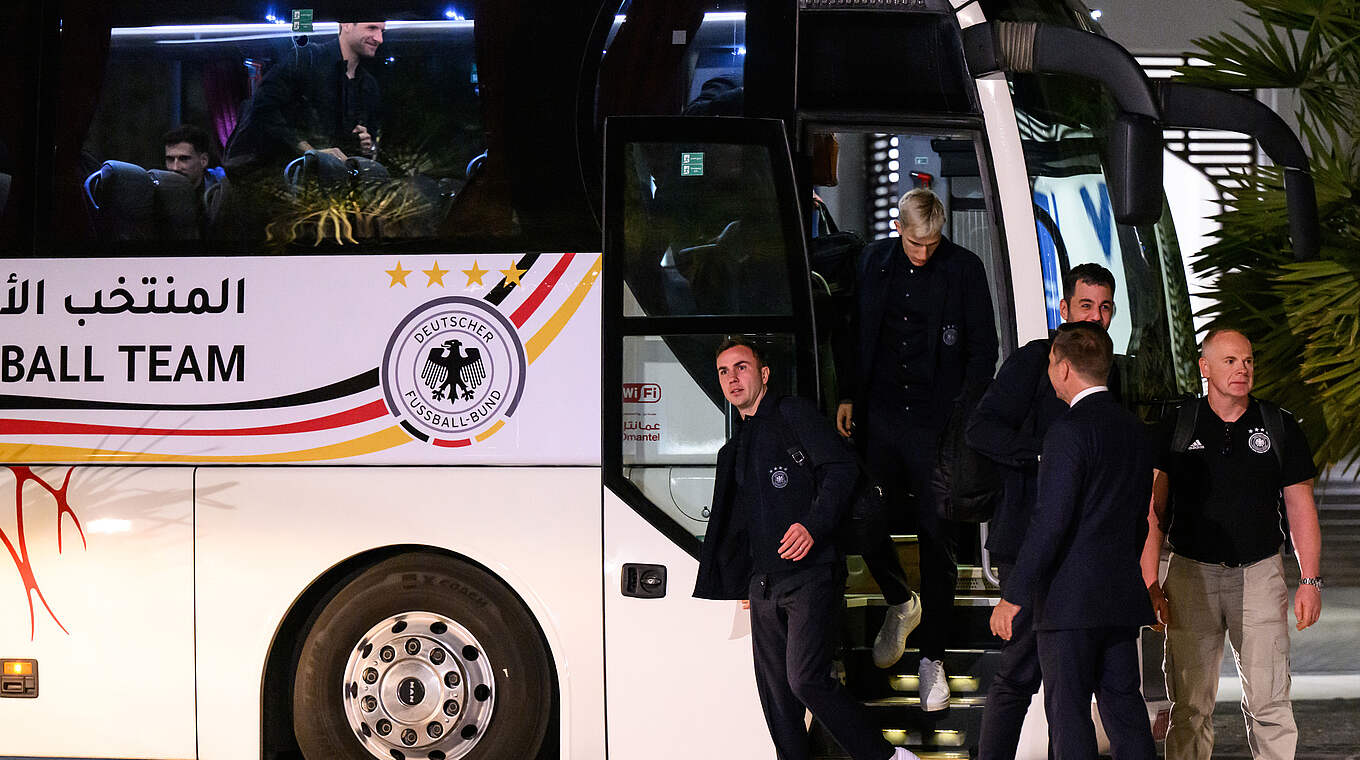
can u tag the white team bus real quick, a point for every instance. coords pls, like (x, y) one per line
(409, 455)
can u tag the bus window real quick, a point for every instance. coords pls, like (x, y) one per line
(1152, 330)
(673, 58)
(702, 232)
(423, 143)
(702, 240)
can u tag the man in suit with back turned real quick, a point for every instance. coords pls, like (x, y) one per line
(1079, 566)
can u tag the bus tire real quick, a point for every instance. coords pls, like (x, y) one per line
(422, 655)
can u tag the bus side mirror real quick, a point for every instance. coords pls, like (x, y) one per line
(1134, 169)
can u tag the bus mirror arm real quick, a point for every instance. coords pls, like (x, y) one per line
(1196, 107)
(1134, 158)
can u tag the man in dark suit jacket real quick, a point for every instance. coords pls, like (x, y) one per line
(1079, 566)
(923, 333)
(1009, 426)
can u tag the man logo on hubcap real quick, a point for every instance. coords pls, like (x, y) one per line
(411, 691)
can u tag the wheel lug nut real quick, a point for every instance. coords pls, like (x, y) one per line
(450, 708)
(413, 646)
(408, 737)
(370, 703)
(437, 656)
(452, 679)
(387, 654)
(370, 676)
(384, 727)
(434, 730)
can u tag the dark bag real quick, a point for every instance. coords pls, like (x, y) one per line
(967, 485)
(834, 252)
(866, 500)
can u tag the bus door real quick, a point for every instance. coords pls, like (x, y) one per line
(703, 239)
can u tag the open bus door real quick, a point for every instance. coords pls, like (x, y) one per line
(702, 238)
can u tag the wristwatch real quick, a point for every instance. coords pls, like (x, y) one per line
(1313, 582)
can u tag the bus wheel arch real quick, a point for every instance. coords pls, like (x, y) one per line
(486, 632)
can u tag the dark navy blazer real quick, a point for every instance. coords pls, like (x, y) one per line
(1079, 567)
(960, 298)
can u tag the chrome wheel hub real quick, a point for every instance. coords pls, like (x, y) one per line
(418, 684)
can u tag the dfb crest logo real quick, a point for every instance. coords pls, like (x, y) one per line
(453, 371)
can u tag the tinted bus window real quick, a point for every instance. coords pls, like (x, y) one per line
(249, 138)
(674, 58)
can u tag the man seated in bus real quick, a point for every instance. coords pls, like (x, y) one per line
(781, 491)
(923, 333)
(188, 152)
(318, 97)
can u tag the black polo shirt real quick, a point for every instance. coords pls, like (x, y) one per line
(1226, 488)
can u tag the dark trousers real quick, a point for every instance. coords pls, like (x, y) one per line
(1101, 661)
(1017, 679)
(902, 461)
(873, 541)
(792, 638)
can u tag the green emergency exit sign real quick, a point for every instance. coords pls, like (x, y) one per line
(691, 164)
(302, 20)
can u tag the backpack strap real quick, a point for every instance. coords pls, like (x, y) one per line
(796, 451)
(1187, 414)
(1272, 418)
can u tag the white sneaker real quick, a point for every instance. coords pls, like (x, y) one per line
(934, 685)
(900, 621)
(902, 753)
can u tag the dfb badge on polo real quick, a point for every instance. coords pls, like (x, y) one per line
(453, 371)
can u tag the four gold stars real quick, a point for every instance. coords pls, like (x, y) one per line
(435, 274)
(398, 275)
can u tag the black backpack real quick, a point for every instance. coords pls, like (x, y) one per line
(967, 485)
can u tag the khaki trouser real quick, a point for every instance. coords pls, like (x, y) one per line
(1251, 604)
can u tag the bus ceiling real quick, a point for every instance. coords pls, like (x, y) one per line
(1134, 160)
(1196, 107)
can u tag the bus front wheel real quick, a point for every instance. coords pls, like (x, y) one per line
(422, 656)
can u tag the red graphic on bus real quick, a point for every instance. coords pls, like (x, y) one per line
(23, 475)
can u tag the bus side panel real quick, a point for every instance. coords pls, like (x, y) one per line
(105, 564)
(679, 669)
(265, 534)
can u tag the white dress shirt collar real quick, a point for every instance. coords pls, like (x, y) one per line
(1093, 389)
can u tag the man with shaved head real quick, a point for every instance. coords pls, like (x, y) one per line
(1233, 474)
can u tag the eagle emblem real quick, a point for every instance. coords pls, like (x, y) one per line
(448, 368)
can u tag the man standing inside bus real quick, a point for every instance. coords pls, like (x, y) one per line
(923, 333)
(782, 489)
(317, 98)
(1009, 427)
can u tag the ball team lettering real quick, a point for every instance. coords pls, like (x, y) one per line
(154, 363)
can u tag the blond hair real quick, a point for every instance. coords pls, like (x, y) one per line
(921, 212)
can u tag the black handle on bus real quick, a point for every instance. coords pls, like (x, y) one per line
(1197, 107)
(1133, 163)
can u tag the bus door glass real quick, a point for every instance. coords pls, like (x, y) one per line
(702, 241)
(1062, 124)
